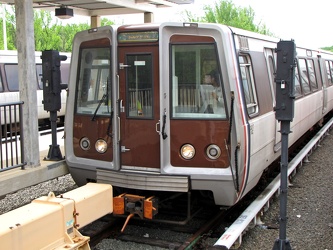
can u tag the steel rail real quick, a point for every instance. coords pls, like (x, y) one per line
(252, 213)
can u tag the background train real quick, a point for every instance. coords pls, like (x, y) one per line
(182, 107)
(9, 84)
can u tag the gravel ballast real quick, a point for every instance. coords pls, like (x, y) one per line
(310, 207)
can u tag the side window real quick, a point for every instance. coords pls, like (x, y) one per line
(197, 87)
(248, 84)
(271, 65)
(39, 75)
(298, 89)
(1, 85)
(312, 75)
(304, 76)
(12, 77)
(329, 70)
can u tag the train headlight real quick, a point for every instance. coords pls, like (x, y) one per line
(101, 146)
(187, 151)
(213, 151)
(85, 143)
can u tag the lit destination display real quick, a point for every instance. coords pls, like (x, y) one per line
(144, 36)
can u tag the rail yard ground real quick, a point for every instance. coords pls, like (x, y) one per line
(310, 207)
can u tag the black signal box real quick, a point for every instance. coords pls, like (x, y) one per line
(285, 80)
(51, 61)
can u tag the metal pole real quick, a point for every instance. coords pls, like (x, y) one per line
(54, 153)
(283, 243)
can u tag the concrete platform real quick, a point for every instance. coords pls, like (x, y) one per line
(16, 179)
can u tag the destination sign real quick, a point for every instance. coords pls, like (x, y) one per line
(144, 36)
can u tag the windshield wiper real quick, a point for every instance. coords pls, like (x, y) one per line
(97, 108)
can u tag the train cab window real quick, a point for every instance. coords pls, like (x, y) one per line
(12, 77)
(196, 82)
(94, 86)
(248, 84)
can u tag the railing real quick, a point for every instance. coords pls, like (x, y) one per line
(12, 150)
(187, 95)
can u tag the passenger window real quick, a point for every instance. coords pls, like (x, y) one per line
(312, 75)
(12, 77)
(39, 75)
(94, 86)
(1, 86)
(196, 82)
(304, 76)
(298, 89)
(248, 85)
(272, 72)
(329, 70)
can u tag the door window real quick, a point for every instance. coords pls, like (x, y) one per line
(139, 92)
(248, 84)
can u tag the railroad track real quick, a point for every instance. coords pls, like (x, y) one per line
(204, 230)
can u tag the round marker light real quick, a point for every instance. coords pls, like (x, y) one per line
(187, 151)
(213, 152)
(85, 143)
(101, 146)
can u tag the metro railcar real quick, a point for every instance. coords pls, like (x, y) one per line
(9, 84)
(144, 114)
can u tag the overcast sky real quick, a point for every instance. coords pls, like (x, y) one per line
(309, 23)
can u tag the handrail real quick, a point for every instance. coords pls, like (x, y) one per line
(11, 137)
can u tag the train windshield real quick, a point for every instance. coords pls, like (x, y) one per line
(197, 89)
(94, 86)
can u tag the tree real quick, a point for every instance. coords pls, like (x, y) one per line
(49, 32)
(225, 12)
(328, 48)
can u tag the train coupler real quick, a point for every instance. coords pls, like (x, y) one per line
(145, 208)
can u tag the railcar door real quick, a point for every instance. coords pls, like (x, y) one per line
(139, 106)
(324, 80)
(271, 67)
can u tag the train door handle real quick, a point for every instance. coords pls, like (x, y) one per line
(157, 127)
(124, 149)
(121, 107)
(122, 66)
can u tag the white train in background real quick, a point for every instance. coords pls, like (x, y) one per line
(9, 85)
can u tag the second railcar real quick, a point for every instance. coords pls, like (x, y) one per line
(9, 85)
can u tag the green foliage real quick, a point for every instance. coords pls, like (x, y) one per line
(225, 12)
(49, 32)
(328, 48)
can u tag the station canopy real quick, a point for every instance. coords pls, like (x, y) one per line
(104, 7)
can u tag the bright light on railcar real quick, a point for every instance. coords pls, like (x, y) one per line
(101, 146)
(213, 151)
(187, 151)
(85, 143)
